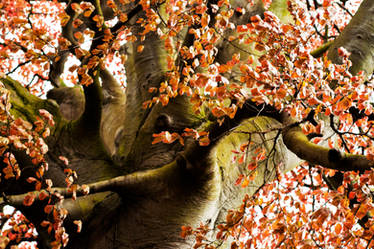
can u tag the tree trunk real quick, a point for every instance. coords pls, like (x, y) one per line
(169, 185)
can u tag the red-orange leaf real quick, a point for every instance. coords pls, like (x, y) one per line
(29, 199)
(204, 141)
(140, 48)
(79, 225)
(43, 194)
(338, 228)
(362, 211)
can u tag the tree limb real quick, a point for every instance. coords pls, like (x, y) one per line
(110, 85)
(196, 154)
(135, 11)
(57, 68)
(293, 137)
(318, 52)
(297, 142)
(114, 100)
(26, 105)
(140, 183)
(91, 117)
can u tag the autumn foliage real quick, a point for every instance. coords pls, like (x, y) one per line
(271, 61)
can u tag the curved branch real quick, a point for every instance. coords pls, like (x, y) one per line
(132, 13)
(297, 142)
(91, 117)
(196, 154)
(57, 66)
(293, 137)
(67, 30)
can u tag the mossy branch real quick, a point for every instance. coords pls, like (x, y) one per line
(318, 52)
(27, 105)
(142, 183)
(293, 137)
(197, 156)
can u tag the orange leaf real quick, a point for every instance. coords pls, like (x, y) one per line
(362, 211)
(341, 189)
(218, 112)
(157, 138)
(338, 228)
(186, 230)
(259, 47)
(64, 160)
(164, 99)
(204, 141)
(76, 7)
(85, 189)
(281, 93)
(252, 176)
(201, 81)
(38, 185)
(123, 17)
(29, 199)
(43, 194)
(31, 179)
(344, 104)
(140, 48)
(351, 195)
(79, 225)
(245, 182)
(239, 180)
(48, 209)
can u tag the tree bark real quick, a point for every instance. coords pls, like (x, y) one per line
(142, 193)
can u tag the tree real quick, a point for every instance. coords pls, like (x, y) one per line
(219, 98)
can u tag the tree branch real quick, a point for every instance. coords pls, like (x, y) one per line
(196, 154)
(18, 66)
(67, 30)
(293, 137)
(321, 50)
(140, 183)
(110, 85)
(297, 142)
(57, 68)
(91, 117)
(118, 26)
(25, 104)
(114, 100)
